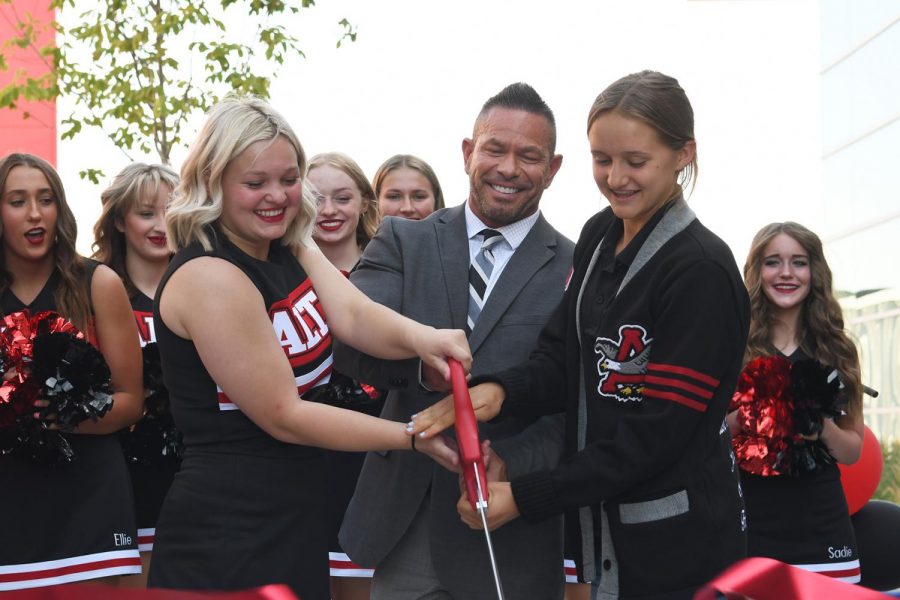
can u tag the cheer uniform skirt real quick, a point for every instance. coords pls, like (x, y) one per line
(67, 522)
(236, 521)
(149, 484)
(343, 471)
(802, 521)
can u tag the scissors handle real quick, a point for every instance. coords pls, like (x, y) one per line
(467, 437)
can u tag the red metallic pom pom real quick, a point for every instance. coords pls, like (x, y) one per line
(46, 358)
(777, 404)
(764, 414)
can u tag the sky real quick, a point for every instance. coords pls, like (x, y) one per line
(419, 71)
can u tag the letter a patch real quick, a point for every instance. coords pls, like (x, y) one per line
(622, 364)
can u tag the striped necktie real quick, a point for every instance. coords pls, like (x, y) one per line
(480, 274)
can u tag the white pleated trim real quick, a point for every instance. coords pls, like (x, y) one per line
(67, 570)
(851, 567)
(341, 566)
(570, 570)
(146, 537)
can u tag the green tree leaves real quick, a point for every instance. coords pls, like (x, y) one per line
(138, 69)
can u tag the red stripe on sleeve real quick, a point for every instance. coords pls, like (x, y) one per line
(701, 377)
(675, 397)
(669, 382)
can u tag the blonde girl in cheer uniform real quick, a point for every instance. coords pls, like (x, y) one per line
(248, 506)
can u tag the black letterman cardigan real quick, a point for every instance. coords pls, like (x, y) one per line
(658, 472)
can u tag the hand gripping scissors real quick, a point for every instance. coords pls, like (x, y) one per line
(474, 472)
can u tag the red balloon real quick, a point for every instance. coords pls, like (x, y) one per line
(860, 479)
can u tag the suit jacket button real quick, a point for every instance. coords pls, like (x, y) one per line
(607, 564)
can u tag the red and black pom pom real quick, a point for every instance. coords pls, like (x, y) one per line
(154, 440)
(778, 403)
(45, 358)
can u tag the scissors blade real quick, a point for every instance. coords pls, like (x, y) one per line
(482, 510)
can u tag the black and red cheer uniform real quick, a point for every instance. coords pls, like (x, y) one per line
(151, 477)
(69, 522)
(245, 510)
(802, 520)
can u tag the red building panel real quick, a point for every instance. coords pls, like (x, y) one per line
(37, 133)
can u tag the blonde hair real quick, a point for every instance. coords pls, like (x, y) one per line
(231, 127)
(134, 184)
(370, 217)
(821, 324)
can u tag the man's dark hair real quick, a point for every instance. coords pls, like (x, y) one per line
(521, 96)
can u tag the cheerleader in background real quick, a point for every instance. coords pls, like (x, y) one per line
(73, 521)
(802, 520)
(346, 219)
(346, 210)
(130, 238)
(406, 186)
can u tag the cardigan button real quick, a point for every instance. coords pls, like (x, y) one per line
(607, 564)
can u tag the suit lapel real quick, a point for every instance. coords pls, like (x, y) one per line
(538, 248)
(453, 245)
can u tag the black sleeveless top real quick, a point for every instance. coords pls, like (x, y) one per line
(202, 410)
(45, 300)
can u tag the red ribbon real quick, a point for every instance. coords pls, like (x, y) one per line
(765, 578)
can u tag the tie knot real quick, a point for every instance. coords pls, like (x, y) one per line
(489, 237)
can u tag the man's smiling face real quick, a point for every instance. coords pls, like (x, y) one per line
(510, 163)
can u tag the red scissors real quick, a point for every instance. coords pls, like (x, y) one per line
(474, 472)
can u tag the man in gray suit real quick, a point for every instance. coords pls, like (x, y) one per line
(402, 519)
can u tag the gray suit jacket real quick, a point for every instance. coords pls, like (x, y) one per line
(420, 269)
